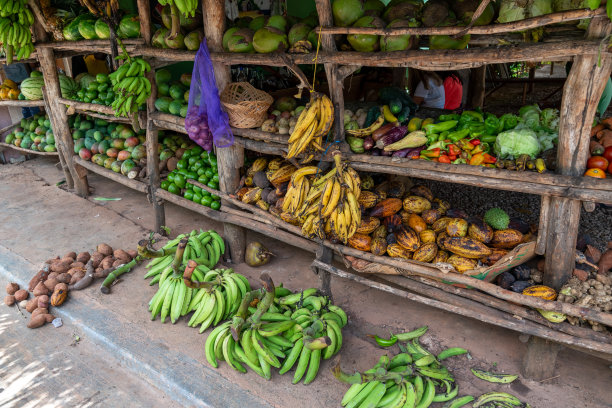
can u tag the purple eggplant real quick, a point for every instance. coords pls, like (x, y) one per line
(368, 143)
(386, 153)
(394, 135)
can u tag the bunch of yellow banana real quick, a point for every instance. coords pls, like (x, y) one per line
(16, 18)
(327, 207)
(313, 124)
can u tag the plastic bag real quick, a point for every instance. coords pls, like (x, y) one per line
(206, 121)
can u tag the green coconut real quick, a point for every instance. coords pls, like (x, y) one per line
(269, 39)
(241, 41)
(366, 42)
(257, 23)
(159, 38)
(188, 23)
(464, 10)
(298, 32)
(435, 12)
(175, 43)
(446, 42)
(347, 12)
(313, 37)
(512, 10)
(193, 40)
(373, 8)
(227, 35)
(402, 9)
(539, 8)
(278, 22)
(565, 5)
(397, 42)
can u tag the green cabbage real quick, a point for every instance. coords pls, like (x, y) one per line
(512, 143)
(550, 119)
(547, 140)
(530, 116)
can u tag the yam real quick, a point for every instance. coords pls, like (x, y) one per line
(67, 259)
(596, 129)
(96, 258)
(607, 122)
(51, 260)
(32, 304)
(132, 253)
(50, 284)
(37, 321)
(107, 262)
(121, 254)
(118, 262)
(21, 294)
(77, 265)
(40, 290)
(9, 300)
(64, 278)
(49, 318)
(77, 277)
(11, 288)
(61, 266)
(83, 257)
(40, 311)
(52, 275)
(72, 271)
(43, 302)
(71, 254)
(101, 273)
(105, 249)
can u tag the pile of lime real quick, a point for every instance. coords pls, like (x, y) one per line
(98, 90)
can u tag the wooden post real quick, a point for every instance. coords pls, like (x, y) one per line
(583, 88)
(540, 358)
(62, 159)
(477, 87)
(144, 14)
(325, 255)
(230, 159)
(334, 80)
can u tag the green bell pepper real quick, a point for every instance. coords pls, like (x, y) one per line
(488, 138)
(477, 129)
(458, 135)
(450, 116)
(440, 127)
(509, 121)
(492, 124)
(471, 116)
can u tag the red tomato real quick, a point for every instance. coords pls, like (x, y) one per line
(610, 168)
(607, 154)
(597, 162)
(598, 173)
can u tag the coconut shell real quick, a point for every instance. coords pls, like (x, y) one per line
(107, 262)
(37, 321)
(77, 265)
(49, 318)
(21, 294)
(171, 163)
(9, 300)
(83, 257)
(40, 311)
(132, 253)
(40, 290)
(121, 254)
(61, 266)
(105, 249)
(11, 288)
(50, 283)
(63, 278)
(72, 255)
(32, 304)
(43, 302)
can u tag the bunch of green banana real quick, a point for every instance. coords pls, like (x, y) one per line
(130, 86)
(16, 18)
(204, 247)
(499, 399)
(187, 7)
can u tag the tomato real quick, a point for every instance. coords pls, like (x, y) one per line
(607, 154)
(598, 173)
(610, 168)
(597, 162)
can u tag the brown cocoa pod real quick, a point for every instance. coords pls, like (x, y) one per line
(105, 249)
(71, 255)
(77, 265)
(32, 304)
(40, 290)
(60, 266)
(132, 253)
(83, 257)
(36, 321)
(21, 294)
(43, 302)
(107, 262)
(49, 318)
(50, 284)
(11, 288)
(40, 310)
(9, 300)
(63, 278)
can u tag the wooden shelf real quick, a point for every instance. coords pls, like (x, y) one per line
(98, 111)
(109, 174)
(23, 104)
(133, 46)
(27, 151)
(168, 122)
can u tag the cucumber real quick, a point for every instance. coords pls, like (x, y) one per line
(395, 105)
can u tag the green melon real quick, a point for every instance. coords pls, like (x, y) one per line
(175, 107)
(87, 29)
(31, 88)
(129, 26)
(101, 28)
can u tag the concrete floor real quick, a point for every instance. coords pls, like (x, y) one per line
(119, 344)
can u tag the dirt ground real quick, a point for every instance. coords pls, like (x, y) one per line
(40, 220)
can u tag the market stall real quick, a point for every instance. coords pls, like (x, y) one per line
(562, 191)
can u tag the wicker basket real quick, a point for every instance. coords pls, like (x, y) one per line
(246, 105)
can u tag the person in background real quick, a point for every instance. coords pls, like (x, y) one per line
(18, 72)
(453, 90)
(429, 92)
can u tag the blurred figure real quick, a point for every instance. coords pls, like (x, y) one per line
(429, 92)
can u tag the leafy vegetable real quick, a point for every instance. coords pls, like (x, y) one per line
(547, 139)
(512, 143)
(509, 121)
(512, 10)
(540, 7)
(530, 116)
(550, 119)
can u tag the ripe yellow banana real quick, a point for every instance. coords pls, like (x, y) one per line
(365, 132)
(333, 199)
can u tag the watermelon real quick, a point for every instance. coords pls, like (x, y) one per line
(36, 74)
(129, 27)
(102, 30)
(68, 86)
(85, 80)
(162, 104)
(87, 29)
(31, 88)
(162, 75)
(71, 31)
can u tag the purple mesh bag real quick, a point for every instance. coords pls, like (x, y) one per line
(206, 121)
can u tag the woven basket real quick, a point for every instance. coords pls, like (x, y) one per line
(246, 105)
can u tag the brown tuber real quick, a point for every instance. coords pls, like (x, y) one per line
(61, 266)
(83, 257)
(77, 265)
(53, 275)
(96, 258)
(77, 277)
(11, 288)
(49, 318)
(43, 302)
(51, 260)
(104, 249)
(32, 305)
(37, 321)
(9, 300)
(63, 278)
(117, 263)
(71, 255)
(40, 290)
(50, 284)
(40, 310)
(21, 294)
(605, 262)
(122, 255)
(132, 253)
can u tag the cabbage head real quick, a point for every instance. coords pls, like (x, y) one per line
(550, 119)
(512, 143)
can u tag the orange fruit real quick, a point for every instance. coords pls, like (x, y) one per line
(598, 173)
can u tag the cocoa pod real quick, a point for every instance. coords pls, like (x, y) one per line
(11, 288)
(21, 294)
(37, 321)
(60, 294)
(67, 259)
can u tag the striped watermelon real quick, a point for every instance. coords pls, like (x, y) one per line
(31, 88)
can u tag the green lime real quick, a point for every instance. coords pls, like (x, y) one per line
(201, 171)
(203, 179)
(215, 197)
(181, 164)
(206, 200)
(174, 189)
(197, 197)
(205, 193)
(165, 184)
(215, 178)
(197, 189)
(216, 205)
(213, 185)
(171, 177)
(93, 86)
(192, 160)
(188, 195)
(209, 173)
(179, 180)
(102, 78)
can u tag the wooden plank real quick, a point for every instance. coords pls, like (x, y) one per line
(133, 46)
(144, 15)
(95, 110)
(256, 134)
(481, 313)
(516, 26)
(109, 174)
(261, 147)
(583, 89)
(27, 151)
(543, 225)
(23, 104)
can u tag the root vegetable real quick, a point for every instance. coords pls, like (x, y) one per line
(21, 294)
(39, 277)
(77, 277)
(83, 257)
(105, 249)
(40, 290)
(132, 253)
(43, 302)
(63, 278)
(74, 271)
(596, 148)
(84, 282)
(61, 266)
(605, 262)
(49, 318)
(11, 288)
(32, 305)
(9, 300)
(51, 260)
(40, 311)
(97, 258)
(50, 284)
(605, 137)
(68, 259)
(596, 129)
(52, 275)
(121, 254)
(37, 321)
(72, 255)
(77, 265)
(107, 262)
(118, 262)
